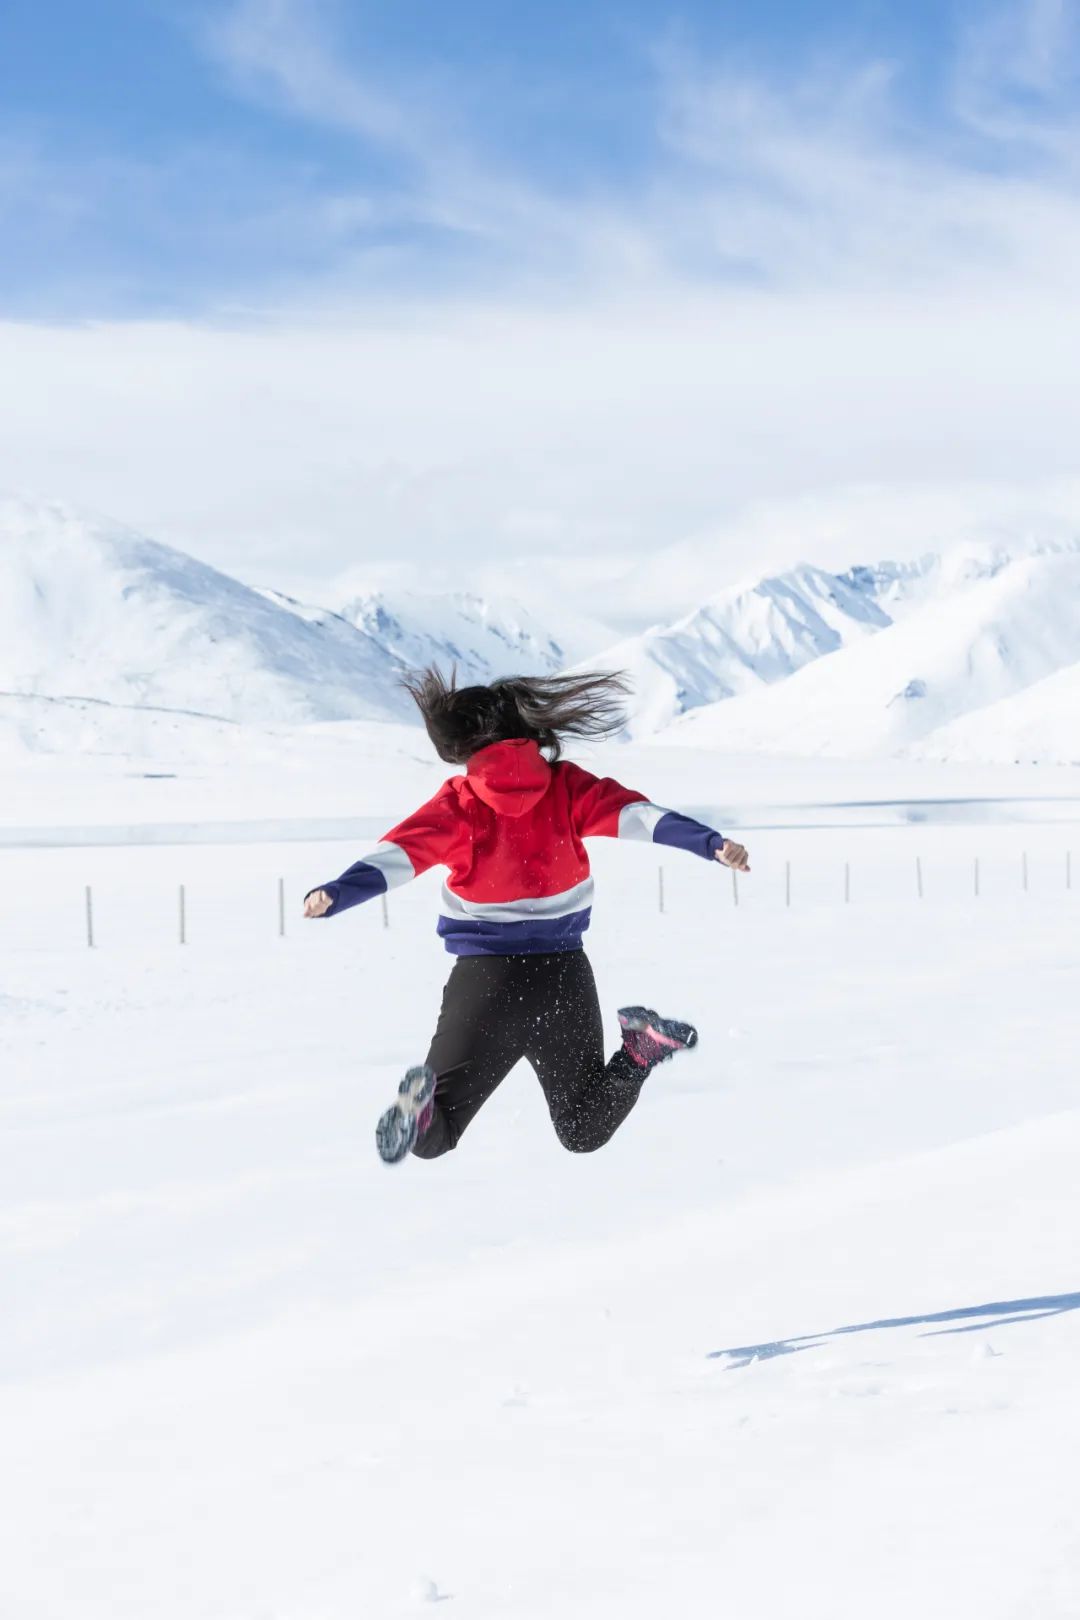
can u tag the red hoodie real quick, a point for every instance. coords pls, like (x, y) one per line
(510, 832)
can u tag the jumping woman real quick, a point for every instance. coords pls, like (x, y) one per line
(515, 905)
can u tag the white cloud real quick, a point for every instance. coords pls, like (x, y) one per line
(458, 437)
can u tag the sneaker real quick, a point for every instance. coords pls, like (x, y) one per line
(408, 1116)
(650, 1039)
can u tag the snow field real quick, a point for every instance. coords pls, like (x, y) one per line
(248, 1372)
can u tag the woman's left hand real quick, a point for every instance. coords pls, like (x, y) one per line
(733, 855)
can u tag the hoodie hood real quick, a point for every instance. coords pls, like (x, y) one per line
(511, 777)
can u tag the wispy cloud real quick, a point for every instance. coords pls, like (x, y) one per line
(1016, 76)
(289, 52)
(283, 51)
(832, 176)
(829, 176)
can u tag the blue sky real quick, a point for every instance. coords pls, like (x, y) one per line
(165, 156)
(309, 286)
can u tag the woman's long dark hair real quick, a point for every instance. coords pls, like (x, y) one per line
(547, 708)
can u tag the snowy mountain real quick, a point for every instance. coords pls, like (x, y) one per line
(484, 638)
(971, 630)
(900, 587)
(1037, 726)
(753, 636)
(111, 642)
(93, 612)
(742, 639)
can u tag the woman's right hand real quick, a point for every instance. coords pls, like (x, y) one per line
(317, 904)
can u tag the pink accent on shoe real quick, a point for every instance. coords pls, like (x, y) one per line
(632, 1045)
(648, 1046)
(423, 1119)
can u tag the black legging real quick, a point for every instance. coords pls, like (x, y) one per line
(498, 1009)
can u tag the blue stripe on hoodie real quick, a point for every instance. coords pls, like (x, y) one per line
(682, 832)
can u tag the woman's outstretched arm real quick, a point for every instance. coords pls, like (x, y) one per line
(424, 839)
(603, 808)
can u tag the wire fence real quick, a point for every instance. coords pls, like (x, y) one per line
(778, 883)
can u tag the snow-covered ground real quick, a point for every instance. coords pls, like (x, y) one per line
(308, 776)
(800, 1342)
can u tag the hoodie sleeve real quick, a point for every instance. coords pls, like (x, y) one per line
(424, 839)
(603, 808)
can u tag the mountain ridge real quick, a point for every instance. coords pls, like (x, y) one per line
(880, 659)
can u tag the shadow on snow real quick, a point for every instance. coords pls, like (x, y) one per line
(998, 1314)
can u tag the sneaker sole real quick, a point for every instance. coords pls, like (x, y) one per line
(396, 1131)
(669, 1032)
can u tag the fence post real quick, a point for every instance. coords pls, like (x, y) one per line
(918, 875)
(281, 907)
(787, 883)
(183, 916)
(385, 910)
(89, 917)
(660, 886)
